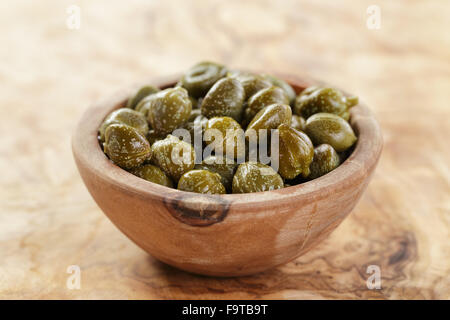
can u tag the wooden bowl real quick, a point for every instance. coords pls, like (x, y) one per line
(225, 235)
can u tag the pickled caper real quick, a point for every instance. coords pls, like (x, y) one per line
(317, 99)
(227, 136)
(125, 146)
(223, 166)
(201, 181)
(125, 116)
(153, 174)
(296, 152)
(168, 110)
(143, 92)
(264, 98)
(298, 123)
(173, 156)
(201, 77)
(290, 92)
(252, 83)
(330, 129)
(256, 177)
(325, 160)
(270, 118)
(224, 99)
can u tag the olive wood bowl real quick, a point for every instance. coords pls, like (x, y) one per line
(232, 234)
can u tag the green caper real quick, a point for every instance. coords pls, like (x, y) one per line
(252, 83)
(201, 181)
(230, 135)
(316, 100)
(201, 77)
(224, 99)
(296, 152)
(125, 116)
(223, 166)
(255, 177)
(330, 129)
(264, 98)
(173, 156)
(290, 92)
(325, 160)
(298, 123)
(168, 110)
(139, 95)
(270, 118)
(153, 174)
(125, 146)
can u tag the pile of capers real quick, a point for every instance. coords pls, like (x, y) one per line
(314, 135)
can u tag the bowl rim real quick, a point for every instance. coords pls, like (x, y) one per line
(361, 162)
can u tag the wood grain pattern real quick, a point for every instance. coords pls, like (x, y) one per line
(50, 74)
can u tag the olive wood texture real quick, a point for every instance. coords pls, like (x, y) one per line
(50, 74)
(225, 235)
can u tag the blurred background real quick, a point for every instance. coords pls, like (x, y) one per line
(59, 57)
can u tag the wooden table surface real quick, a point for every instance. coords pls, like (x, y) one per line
(50, 74)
